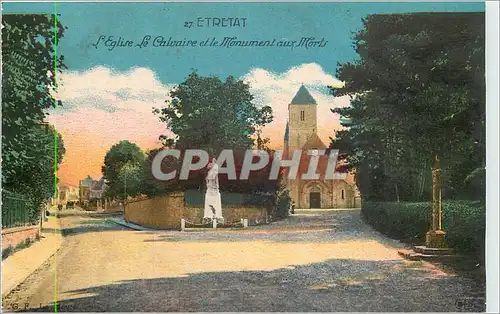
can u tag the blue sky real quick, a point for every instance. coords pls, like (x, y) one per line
(333, 21)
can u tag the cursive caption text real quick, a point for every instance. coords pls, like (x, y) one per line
(113, 43)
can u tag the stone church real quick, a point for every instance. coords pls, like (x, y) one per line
(301, 134)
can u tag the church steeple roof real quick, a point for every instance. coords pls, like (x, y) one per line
(313, 142)
(303, 97)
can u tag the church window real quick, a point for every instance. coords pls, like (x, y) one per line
(342, 193)
(302, 115)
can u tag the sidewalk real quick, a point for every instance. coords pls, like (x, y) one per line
(20, 265)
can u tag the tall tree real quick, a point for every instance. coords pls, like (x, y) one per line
(417, 90)
(30, 63)
(207, 113)
(31, 149)
(124, 156)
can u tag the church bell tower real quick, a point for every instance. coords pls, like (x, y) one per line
(302, 119)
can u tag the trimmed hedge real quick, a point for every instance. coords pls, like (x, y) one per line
(197, 198)
(464, 222)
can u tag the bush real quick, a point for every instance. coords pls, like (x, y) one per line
(197, 198)
(403, 221)
(7, 251)
(282, 201)
(464, 222)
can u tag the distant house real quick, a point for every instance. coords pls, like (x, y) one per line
(67, 193)
(84, 189)
(98, 188)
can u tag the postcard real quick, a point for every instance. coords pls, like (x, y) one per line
(246, 157)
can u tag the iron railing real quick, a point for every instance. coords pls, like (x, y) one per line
(16, 210)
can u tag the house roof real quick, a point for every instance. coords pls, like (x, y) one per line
(321, 169)
(303, 97)
(314, 142)
(87, 181)
(98, 185)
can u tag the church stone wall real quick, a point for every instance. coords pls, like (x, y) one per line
(309, 113)
(331, 193)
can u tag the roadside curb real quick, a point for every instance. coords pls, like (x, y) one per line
(129, 225)
(16, 266)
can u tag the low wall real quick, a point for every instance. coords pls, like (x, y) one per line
(166, 212)
(231, 213)
(14, 236)
(163, 212)
(111, 209)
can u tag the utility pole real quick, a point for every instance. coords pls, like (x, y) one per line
(125, 192)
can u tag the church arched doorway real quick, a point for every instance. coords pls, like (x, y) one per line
(315, 197)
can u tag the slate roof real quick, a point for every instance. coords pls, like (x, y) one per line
(303, 97)
(314, 142)
(99, 184)
(321, 167)
(87, 181)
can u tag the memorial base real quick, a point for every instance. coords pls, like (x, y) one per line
(419, 253)
(435, 248)
(436, 239)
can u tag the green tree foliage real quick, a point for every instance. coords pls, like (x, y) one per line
(417, 90)
(210, 114)
(207, 113)
(130, 177)
(29, 72)
(31, 149)
(123, 159)
(35, 179)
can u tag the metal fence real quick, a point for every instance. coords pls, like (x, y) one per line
(16, 210)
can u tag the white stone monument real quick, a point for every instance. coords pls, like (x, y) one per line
(213, 206)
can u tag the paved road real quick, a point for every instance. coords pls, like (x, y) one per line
(324, 261)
